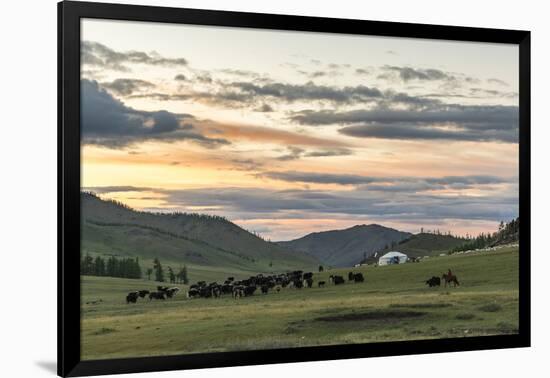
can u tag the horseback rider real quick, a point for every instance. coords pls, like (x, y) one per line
(449, 273)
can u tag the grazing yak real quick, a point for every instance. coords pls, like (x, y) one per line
(337, 280)
(172, 292)
(434, 281)
(157, 295)
(308, 282)
(168, 291)
(249, 290)
(193, 293)
(298, 284)
(265, 289)
(143, 293)
(321, 283)
(132, 297)
(356, 277)
(238, 291)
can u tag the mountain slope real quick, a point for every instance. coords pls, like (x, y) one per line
(346, 247)
(112, 228)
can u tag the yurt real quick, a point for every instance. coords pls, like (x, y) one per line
(393, 257)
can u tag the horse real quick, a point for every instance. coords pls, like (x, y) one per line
(450, 278)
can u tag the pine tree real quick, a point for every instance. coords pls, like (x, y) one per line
(171, 275)
(159, 272)
(99, 266)
(87, 265)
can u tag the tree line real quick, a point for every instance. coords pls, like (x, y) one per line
(507, 233)
(110, 267)
(130, 268)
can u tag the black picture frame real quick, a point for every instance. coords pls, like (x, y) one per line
(69, 15)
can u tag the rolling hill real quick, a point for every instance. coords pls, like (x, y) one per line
(346, 247)
(200, 241)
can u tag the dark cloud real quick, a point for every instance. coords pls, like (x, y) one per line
(308, 91)
(108, 122)
(329, 152)
(180, 77)
(319, 178)
(362, 71)
(413, 132)
(164, 96)
(372, 197)
(371, 182)
(126, 87)
(242, 73)
(204, 78)
(246, 164)
(462, 122)
(335, 66)
(265, 108)
(251, 203)
(293, 154)
(241, 94)
(97, 54)
(482, 92)
(314, 74)
(408, 73)
(116, 189)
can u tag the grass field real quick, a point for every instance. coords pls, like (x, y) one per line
(392, 304)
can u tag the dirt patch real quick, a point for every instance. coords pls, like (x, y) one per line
(465, 316)
(372, 315)
(104, 331)
(491, 307)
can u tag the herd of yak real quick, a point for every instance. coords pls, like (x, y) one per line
(244, 288)
(247, 287)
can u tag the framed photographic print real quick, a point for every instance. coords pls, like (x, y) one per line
(239, 188)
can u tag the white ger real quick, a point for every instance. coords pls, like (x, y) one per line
(393, 257)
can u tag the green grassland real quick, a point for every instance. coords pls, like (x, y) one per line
(392, 304)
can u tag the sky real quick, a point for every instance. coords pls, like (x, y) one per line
(287, 133)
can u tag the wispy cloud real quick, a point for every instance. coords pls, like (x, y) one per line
(99, 55)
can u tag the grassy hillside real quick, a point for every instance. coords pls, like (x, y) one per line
(425, 244)
(345, 247)
(392, 304)
(201, 242)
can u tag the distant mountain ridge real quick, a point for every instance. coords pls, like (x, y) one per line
(340, 248)
(109, 227)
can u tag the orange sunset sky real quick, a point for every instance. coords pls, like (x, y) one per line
(286, 133)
